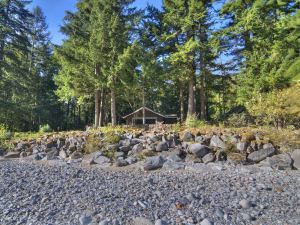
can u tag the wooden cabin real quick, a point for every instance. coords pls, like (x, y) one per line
(145, 115)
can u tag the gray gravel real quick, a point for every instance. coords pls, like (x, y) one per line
(32, 193)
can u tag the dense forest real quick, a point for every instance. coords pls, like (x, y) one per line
(235, 62)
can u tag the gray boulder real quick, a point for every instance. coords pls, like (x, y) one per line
(12, 155)
(62, 154)
(188, 137)
(202, 140)
(131, 160)
(76, 155)
(280, 162)
(51, 155)
(261, 154)
(296, 158)
(101, 160)
(199, 150)
(121, 162)
(217, 142)
(162, 146)
(153, 163)
(242, 146)
(210, 157)
(125, 149)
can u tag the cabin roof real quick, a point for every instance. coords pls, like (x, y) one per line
(150, 110)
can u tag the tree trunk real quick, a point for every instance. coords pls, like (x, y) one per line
(113, 107)
(181, 99)
(101, 110)
(144, 113)
(203, 100)
(97, 108)
(191, 103)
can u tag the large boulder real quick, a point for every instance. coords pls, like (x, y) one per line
(296, 158)
(153, 163)
(261, 154)
(101, 160)
(162, 146)
(51, 155)
(199, 150)
(280, 162)
(12, 155)
(217, 142)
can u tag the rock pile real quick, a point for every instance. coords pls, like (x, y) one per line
(158, 149)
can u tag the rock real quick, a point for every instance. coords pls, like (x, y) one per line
(63, 154)
(76, 155)
(202, 140)
(119, 154)
(174, 158)
(85, 220)
(162, 146)
(206, 222)
(171, 165)
(188, 137)
(161, 222)
(153, 163)
(245, 204)
(131, 160)
(199, 150)
(23, 154)
(136, 148)
(12, 155)
(141, 221)
(121, 162)
(210, 157)
(268, 145)
(296, 159)
(217, 142)
(51, 155)
(242, 146)
(221, 155)
(280, 162)
(125, 149)
(101, 160)
(261, 154)
(104, 222)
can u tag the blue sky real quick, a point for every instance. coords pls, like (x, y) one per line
(54, 10)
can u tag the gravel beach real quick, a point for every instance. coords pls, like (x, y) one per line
(36, 193)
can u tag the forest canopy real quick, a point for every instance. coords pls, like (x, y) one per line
(233, 61)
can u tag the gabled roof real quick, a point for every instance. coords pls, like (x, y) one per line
(146, 108)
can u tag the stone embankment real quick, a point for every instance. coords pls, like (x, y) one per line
(149, 178)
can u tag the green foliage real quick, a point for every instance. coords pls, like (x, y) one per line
(112, 138)
(239, 119)
(5, 134)
(45, 128)
(193, 122)
(279, 107)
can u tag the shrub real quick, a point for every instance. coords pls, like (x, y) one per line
(194, 122)
(5, 133)
(280, 107)
(112, 138)
(239, 120)
(45, 128)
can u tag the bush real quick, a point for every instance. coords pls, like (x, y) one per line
(280, 107)
(194, 122)
(45, 128)
(5, 133)
(239, 120)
